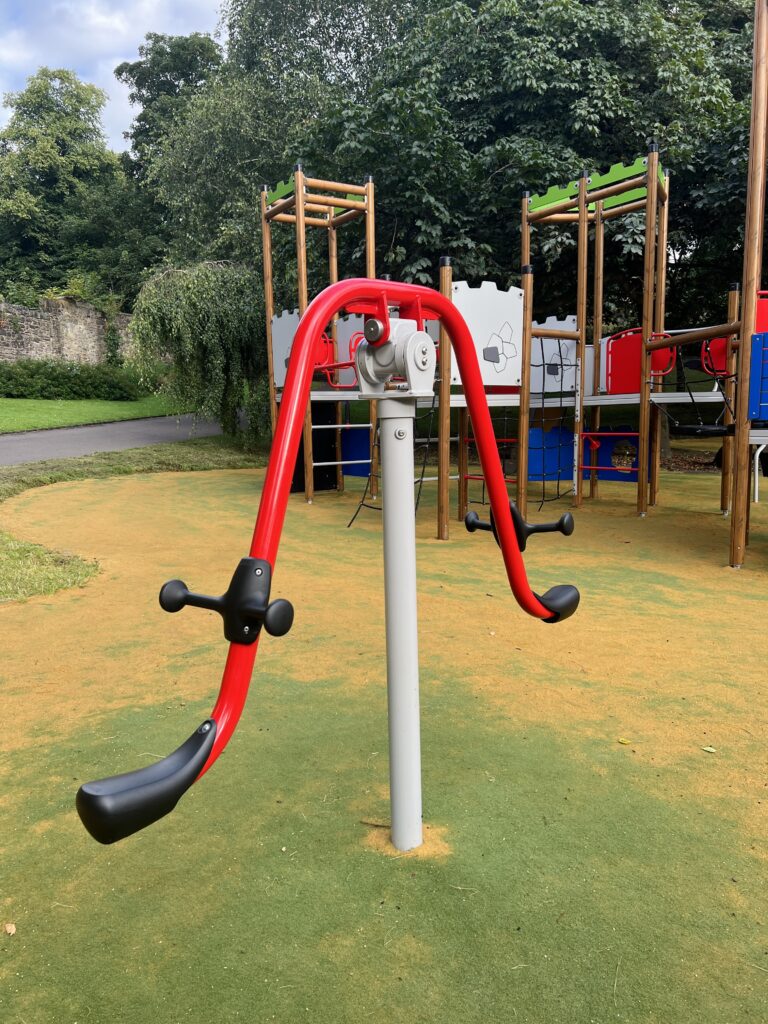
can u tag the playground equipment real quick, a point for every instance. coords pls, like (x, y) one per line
(316, 203)
(727, 352)
(616, 363)
(395, 366)
(741, 327)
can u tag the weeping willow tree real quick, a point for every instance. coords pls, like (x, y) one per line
(207, 322)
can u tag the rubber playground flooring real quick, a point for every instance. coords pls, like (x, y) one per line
(595, 791)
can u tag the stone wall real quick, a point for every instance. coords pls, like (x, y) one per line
(58, 329)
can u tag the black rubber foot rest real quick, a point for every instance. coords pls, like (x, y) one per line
(114, 808)
(562, 601)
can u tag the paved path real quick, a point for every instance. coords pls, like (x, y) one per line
(65, 442)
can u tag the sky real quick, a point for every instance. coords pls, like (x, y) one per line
(90, 37)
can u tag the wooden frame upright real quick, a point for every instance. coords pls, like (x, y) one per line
(751, 275)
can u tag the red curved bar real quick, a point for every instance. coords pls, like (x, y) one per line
(414, 300)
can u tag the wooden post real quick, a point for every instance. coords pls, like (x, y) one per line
(463, 460)
(643, 441)
(301, 259)
(753, 252)
(597, 330)
(524, 418)
(370, 271)
(753, 243)
(333, 277)
(524, 415)
(659, 318)
(444, 412)
(729, 390)
(581, 344)
(269, 303)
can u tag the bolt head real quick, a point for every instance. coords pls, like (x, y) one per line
(373, 330)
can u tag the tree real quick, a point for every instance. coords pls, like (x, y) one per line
(52, 153)
(171, 69)
(205, 319)
(287, 66)
(456, 109)
(485, 100)
(317, 43)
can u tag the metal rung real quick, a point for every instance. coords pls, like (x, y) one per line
(345, 462)
(342, 426)
(428, 479)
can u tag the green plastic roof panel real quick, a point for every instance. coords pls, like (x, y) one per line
(615, 174)
(281, 190)
(286, 188)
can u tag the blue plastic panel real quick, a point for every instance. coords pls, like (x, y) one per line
(758, 378)
(356, 444)
(550, 454)
(605, 455)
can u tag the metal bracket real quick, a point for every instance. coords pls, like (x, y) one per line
(409, 353)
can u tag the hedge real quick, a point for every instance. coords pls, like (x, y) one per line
(52, 379)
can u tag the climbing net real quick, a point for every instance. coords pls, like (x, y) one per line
(554, 382)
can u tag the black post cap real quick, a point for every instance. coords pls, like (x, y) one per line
(445, 261)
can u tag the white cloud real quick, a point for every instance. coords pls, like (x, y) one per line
(15, 50)
(91, 37)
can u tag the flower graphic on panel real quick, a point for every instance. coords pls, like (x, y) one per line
(500, 348)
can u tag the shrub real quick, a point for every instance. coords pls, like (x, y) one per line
(207, 321)
(20, 293)
(51, 379)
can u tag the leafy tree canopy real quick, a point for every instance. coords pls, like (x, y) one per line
(206, 319)
(169, 71)
(67, 208)
(486, 100)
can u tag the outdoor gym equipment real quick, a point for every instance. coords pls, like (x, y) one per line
(395, 366)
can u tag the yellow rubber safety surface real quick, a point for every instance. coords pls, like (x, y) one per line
(595, 791)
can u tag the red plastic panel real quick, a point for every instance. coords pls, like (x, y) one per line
(761, 323)
(623, 362)
(714, 357)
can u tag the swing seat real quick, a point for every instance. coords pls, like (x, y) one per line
(701, 429)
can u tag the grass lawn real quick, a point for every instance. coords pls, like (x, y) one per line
(594, 790)
(38, 414)
(28, 569)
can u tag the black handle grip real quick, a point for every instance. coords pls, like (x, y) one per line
(245, 607)
(114, 808)
(523, 530)
(473, 522)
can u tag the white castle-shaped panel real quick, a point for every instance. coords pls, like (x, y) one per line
(495, 320)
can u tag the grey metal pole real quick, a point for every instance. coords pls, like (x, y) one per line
(396, 416)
